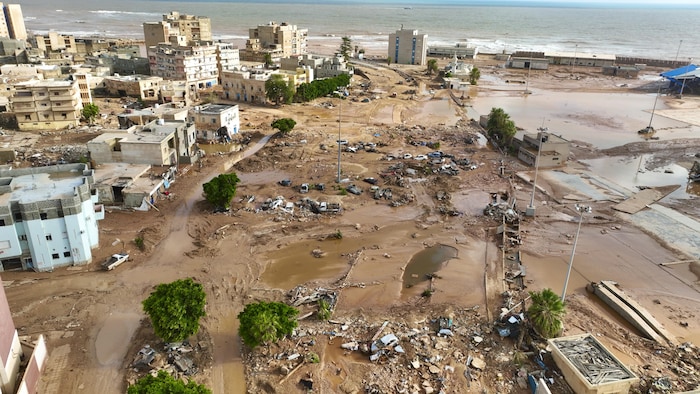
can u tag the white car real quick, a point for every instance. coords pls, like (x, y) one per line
(421, 157)
(407, 156)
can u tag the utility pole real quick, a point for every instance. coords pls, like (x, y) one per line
(340, 105)
(687, 68)
(530, 211)
(582, 209)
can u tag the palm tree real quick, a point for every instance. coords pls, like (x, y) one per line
(546, 313)
(474, 76)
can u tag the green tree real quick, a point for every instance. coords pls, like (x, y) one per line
(388, 61)
(284, 125)
(267, 59)
(163, 383)
(546, 313)
(175, 309)
(432, 66)
(474, 76)
(500, 127)
(90, 112)
(265, 322)
(345, 48)
(220, 190)
(276, 89)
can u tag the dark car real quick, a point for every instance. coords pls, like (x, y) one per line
(285, 182)
(370, 180)
(354, 190)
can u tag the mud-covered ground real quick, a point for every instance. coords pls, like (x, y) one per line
(94, 323)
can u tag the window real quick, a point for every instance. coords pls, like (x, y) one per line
(48, 237)
(54, 256)
(66, 254)
(18, 217)
(23, 237)
(43, 216)
(27, 117)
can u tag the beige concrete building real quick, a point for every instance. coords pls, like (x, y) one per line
(460, 50)
(159, 143)
(47, 105)
(215, 121)
(408, 47)
(85, 85)
(322, 66)
(553, 150)
(176, 92)
(54, 42)
(12, 22)
(247, 86)
(197, 65)
(192, 29)
(144, 87)
(278, 40)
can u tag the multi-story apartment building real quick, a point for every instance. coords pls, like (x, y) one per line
(54, 42)
(408, 47)
(197, 65)
(194, 29)
(227, 57)
(247, 86)
(322, 66)
(85, 85)
(215, 121)
(12, 22)
(278, 40)
(48, 217)
(144, 87)
(47, 104)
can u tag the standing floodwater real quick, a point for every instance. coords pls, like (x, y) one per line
(427, 262)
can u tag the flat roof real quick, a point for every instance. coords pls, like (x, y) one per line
(42, 186)
(213, 108)
(580, 55)
(147, 134)
(119, 173)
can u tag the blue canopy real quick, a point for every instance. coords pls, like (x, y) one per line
(672, 74)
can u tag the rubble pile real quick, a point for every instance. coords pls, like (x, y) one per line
(177, 359)
(415, 352)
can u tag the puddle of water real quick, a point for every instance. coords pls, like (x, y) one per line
(439, 111)
(294, 264)
(603, 119)
(114, 337)
(426, 262)
(623, 171)
(220, 148)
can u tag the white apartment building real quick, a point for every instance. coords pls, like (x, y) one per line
(215, 121)
(197, 65)
(48, 217)
(47, 104)
(408, 47)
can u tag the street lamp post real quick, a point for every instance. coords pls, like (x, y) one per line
(687, 68)
(581, 209)
(678, 51)
(340, 104)
(530, 211)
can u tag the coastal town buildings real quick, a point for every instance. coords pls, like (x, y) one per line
(13, 51)
(406, 46)
(40, 105)
(215, 121)
(227, 57)
(12, 22)
(276, 40)
(143, 87)
(322, 66)
(48, 216)
(191, 30)
(175, 92)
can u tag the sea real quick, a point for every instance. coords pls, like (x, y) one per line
(656, 31)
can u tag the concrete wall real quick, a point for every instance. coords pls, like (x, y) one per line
(30, 380)
(10, 349)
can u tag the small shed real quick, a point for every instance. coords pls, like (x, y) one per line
(589, 368)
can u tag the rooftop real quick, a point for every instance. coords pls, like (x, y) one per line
(43, 183)
(213, 108)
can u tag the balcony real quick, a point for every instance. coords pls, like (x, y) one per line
(22, 97)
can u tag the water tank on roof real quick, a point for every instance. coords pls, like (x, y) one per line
(160, 122)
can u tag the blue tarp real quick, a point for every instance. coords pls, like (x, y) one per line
(671, 74)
